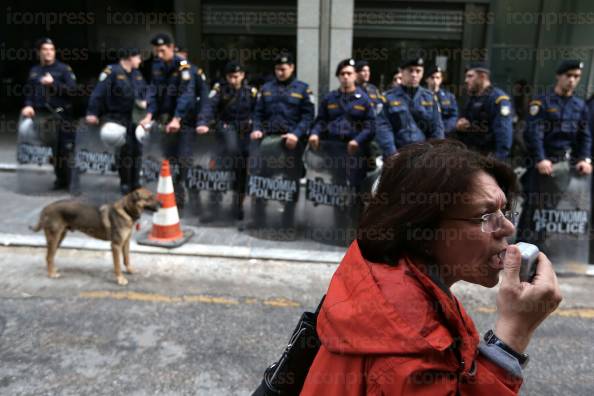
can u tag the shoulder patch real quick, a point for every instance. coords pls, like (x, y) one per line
(213, 92)
(254, 92)
(183, 65)
(185, 74)
(359, 107)
(500, 98)
(505, 110)
(332, 106)
(395, 103)
(534, 108)
(296, 95)
(426, 102)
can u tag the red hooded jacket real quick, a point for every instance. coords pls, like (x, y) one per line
(389, 330)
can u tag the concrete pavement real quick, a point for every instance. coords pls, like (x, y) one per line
(209, 326)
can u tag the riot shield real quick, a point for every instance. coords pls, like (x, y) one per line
(36, 141)
(557, 217)
(211, 179)
(157, 146)
(96, 177)
(331, 205)
(272, 189)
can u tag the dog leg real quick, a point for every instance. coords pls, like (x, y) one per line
(53, 240)
(126, 254)
(116, 252)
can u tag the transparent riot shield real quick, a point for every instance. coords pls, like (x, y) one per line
(157, 146)
(272, 189)
(96, 177)
(36, 141)
(331, 206)
(211, 178)
(557, 217)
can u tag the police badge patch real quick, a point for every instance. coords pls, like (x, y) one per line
(505, 110)
(534, 109)
(185, 75)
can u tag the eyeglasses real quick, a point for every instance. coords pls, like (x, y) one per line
(491, 222)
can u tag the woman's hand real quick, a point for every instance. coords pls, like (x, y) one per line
(522, 306)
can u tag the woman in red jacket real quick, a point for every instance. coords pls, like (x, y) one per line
(390, 325)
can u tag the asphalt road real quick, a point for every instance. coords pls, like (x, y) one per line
(208, 326)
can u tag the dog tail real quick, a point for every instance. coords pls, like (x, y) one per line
(38, 226)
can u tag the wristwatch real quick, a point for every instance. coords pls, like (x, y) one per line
(492, 339)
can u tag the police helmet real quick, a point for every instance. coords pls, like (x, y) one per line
(113, 135)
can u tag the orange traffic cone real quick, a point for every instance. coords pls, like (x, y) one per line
(166, 230)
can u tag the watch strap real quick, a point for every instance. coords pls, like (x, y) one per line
(492, 339)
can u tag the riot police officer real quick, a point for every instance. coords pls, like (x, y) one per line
(346, 115)
(199, 78)
(172, 102)
(363, 76)
(49, 90)
(557, 135)
(120, 88)
(485, 122)
(229, 110)
(284, 110)
(410, 113)
(285, 105)
(446, 99)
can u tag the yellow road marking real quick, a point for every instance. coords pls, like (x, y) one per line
(200, 298)
(584, 313)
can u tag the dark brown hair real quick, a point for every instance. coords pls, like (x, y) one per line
(416, 187)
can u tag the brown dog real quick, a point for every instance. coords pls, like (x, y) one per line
(108, 222)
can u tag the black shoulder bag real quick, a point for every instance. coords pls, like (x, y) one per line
(287, 375)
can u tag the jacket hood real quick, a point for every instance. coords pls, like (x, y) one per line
(373, 308)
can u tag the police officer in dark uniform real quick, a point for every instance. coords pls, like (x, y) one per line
(172, 102)
(120, 87)
(199, 78)
(446, 99)
(285, 105)
(485, 122)
(363, 77)
(49, 89)
(557, 135)
(229, 110)
(410, 113)
(285, 109)
(346, 115)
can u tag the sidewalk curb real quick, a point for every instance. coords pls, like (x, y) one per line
(7, 167)
(189, 249)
